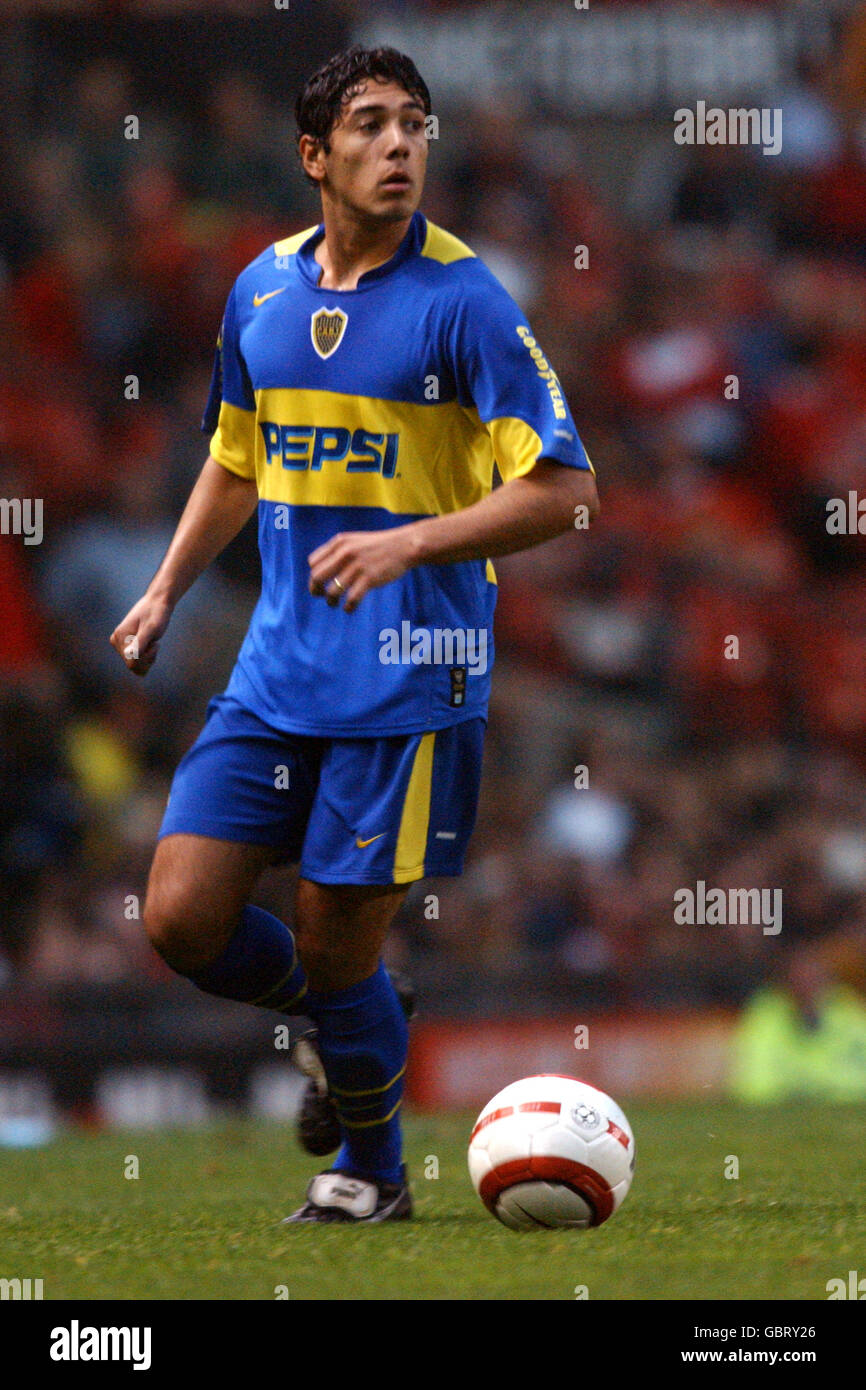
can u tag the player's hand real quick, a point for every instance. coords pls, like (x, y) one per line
(349, 565)
(137, 637)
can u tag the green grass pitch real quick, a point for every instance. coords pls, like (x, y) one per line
(202, 1219)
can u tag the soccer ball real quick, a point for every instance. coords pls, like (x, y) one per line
(551, 1151)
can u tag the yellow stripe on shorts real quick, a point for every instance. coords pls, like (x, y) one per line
(415, 821)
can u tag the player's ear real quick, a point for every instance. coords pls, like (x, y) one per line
(312, 152)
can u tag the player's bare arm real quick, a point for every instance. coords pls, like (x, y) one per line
(520, 514)
(219, 505)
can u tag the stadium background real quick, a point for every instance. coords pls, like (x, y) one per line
(556, 131)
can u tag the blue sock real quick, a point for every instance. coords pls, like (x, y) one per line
(259, 966)
(364, 1041)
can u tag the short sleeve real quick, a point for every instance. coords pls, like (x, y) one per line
(502, 371)
(230, 413)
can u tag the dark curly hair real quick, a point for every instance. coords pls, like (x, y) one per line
(320, 104)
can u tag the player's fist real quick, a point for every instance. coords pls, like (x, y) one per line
(137, 637)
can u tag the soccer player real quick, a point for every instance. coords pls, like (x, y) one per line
(369, 373)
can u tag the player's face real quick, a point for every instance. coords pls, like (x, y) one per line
(378, 154)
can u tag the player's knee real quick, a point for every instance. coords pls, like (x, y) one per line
(178, 933)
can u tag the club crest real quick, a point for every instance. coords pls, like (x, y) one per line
(326, 329)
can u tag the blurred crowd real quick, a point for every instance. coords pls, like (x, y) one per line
(712, 346)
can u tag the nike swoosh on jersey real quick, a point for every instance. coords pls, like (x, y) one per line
(362, 844)
(260, 298)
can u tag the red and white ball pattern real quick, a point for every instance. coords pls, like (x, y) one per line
(551, 1151)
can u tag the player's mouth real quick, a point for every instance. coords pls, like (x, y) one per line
(397, 183)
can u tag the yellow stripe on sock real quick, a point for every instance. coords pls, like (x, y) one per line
(415, 821)
(269, 994)
(368, 1124)
(373, 1090)
(283, 1008)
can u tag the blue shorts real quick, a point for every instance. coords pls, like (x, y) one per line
(350, 810)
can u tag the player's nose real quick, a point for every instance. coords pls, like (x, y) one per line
(398, 138)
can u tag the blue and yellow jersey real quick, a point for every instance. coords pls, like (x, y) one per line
(364, 409)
